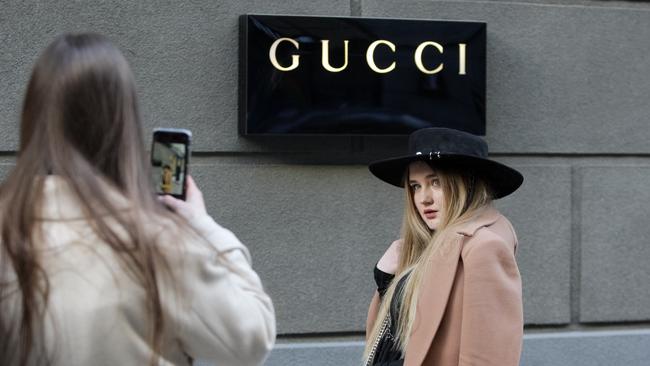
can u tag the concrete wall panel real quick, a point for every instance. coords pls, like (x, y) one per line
(315, 233)
(615, 232)
(540, 212)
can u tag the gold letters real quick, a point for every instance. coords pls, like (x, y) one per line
(462, 50)
(418, 57)
(295, 59)
(326, 59)
(370, 56)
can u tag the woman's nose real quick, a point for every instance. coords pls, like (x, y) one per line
(427, 197)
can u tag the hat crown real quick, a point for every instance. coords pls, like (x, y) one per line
(439, 140)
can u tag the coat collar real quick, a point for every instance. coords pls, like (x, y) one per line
(487, 217)
(61, 203)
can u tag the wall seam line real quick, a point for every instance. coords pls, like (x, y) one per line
(576, 244)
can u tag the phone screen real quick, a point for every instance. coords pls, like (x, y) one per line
(169, 158)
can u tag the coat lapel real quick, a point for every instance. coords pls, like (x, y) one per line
(434, 294)
(436, 288)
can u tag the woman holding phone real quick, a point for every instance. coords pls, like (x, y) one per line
(449, 291)
(94, 269)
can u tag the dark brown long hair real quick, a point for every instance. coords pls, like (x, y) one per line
(79, 122)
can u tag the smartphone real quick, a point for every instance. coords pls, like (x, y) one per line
(170, 157)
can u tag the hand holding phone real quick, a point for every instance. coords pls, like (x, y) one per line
(190, 209)
(170, 155)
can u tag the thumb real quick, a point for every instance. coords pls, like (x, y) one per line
(171, 202)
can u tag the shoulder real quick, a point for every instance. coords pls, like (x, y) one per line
(395, 247)
(389, 261)
(495, 239)
(201, 240)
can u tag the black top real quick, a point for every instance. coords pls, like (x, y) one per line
(387, 353)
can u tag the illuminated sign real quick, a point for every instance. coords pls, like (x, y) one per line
(356, 76)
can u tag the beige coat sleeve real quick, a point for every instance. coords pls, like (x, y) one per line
(226, 316)
(492, 328)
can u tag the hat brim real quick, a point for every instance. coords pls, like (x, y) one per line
(502, 179)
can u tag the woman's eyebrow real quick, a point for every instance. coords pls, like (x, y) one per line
(434, 175)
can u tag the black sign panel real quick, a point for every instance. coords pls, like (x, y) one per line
(355, 76)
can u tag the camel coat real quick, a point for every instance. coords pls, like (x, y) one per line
(470, 308)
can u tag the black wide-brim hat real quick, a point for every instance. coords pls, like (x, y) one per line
(458, 150)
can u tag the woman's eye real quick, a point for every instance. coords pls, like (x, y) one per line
(435, 182)
(415, 187)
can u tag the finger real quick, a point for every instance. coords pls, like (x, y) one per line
(190, 184)
(194, 194)
(191, 190)
(170, 202)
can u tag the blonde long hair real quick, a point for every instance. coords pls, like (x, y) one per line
(465, 197)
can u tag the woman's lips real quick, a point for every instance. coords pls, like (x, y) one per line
(430, 214)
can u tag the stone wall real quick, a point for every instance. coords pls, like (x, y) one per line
(568, 86)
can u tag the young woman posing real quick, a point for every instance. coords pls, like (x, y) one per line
(449, 291)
